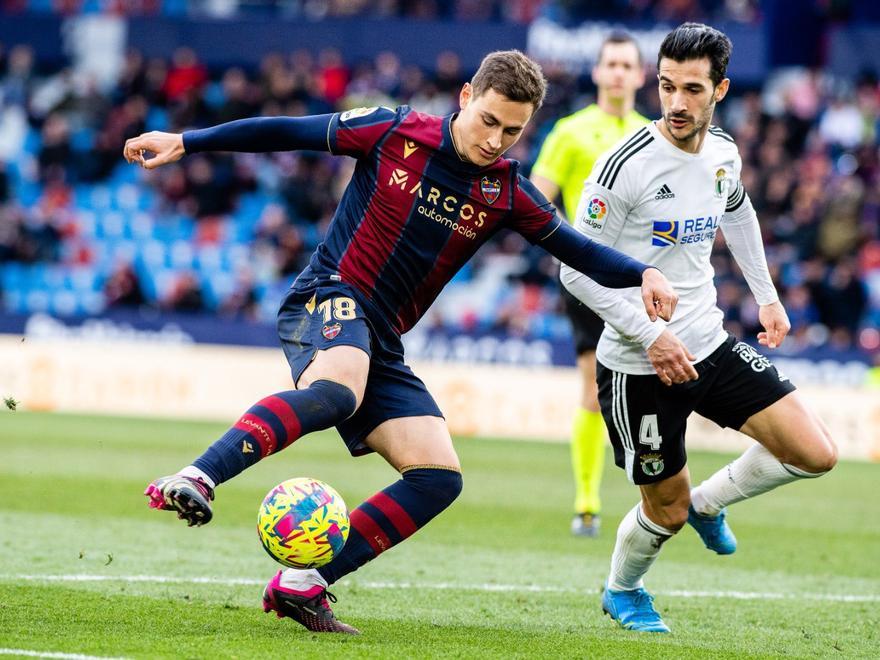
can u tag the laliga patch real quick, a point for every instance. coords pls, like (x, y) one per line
(331, 330)
(652, 464)
(595, 213)
(491, 189)
(357, 112)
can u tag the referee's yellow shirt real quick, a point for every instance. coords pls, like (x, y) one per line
(573, 146)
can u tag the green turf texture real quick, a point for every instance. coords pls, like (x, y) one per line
(71, 503)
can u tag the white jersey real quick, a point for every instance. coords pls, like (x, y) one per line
(663, 206)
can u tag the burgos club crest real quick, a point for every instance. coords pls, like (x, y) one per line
(491, 189)
(722, 182)
(331, 330)
(652, 464)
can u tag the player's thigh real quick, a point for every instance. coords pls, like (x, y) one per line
(751, 395)
(666, 502)
(325, 336)
(793, 433)
(410, 441)
(346, 365)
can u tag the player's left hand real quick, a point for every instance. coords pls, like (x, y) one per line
(775, 322)
(658, 295)
(165, 147)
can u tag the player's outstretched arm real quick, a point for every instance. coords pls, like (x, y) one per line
(257, 135)
(612, 269)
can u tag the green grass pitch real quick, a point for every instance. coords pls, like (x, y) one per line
(86, 568)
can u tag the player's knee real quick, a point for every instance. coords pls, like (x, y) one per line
(332, 403)
(444, 484)
(824, 459)
(671, 515)
(674, 518)
(821, 455)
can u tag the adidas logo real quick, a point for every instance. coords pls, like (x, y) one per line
(664, 193)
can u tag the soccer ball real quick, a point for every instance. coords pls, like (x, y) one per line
(303, 523)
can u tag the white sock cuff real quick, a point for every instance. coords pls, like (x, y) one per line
(302, 579)
(195, 473)
(802, 474)
(649, 525)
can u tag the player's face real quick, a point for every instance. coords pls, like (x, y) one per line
(688, 98)
(619, 73)
(488, 125)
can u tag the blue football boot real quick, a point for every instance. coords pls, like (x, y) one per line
(714, 531)
(633, 610)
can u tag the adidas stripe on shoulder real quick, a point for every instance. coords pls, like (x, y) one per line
(631, 147)
(717, 132)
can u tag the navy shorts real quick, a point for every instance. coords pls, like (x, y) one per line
(321, 314)
(647, 420)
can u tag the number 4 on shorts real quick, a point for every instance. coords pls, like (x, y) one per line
(649, 432)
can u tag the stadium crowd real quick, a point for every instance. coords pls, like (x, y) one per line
(81, 232)
(508, 11)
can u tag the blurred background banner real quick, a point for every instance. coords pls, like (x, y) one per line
(200, 253)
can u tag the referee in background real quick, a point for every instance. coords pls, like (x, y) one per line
(566, 159)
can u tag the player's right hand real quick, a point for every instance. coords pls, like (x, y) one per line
(671, 359)
(658, 295)
(165, 147)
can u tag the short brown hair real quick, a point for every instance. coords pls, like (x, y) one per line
(511, 74)
(619, 37)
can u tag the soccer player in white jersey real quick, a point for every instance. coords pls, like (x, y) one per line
(661, 195)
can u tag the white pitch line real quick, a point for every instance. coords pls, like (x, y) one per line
(55, 654)
(488, 587)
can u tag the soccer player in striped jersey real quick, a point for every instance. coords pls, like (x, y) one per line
(427, 191)
(567, 156)
(661, 195)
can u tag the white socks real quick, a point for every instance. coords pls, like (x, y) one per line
(638, 544)
(755, 472)
(195, 473)
(302, 579)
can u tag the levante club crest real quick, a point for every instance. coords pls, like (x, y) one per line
(330, 331)
(491, 189)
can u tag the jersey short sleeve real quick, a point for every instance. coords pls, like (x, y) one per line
(612, 189)
(532, 215)
(355, 132)
(601, 213)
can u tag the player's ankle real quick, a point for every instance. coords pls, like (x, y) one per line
(193, 472)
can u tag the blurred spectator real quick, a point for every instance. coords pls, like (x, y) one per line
(186, 75)
(250, 221)
(243, 301)
(123, 288)
(55, 157)
(185, 294)
(841, 124)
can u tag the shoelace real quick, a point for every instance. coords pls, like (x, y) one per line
(204, 488)
(321, 600)
(642, 600)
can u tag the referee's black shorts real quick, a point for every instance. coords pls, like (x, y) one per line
(586, 326)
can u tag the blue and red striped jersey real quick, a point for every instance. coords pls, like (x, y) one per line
(414, 212)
